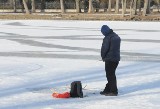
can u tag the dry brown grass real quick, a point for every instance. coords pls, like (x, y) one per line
(73, 16)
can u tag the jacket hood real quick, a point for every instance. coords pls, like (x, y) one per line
(105, 30)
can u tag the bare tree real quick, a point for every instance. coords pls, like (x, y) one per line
(33, 6)
(134, 7)
(14, 5)
(117, 6)
(26, 7)
(148, 7)
(139, 5)
(125, 4)
(77, 6)
(109, 5)
(22, 6)
(158, 4)
(123, 7)
(42, 5)
(90, 10)
(131, 7)
(145, 7)
(62, 6)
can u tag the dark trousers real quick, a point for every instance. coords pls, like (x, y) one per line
(110, 68)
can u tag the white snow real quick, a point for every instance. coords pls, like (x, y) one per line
(42, 56)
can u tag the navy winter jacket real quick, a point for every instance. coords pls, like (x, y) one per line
(110, 50)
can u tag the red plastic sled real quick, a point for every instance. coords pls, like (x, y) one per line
(61, 95)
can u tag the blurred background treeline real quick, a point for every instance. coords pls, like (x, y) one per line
(123, 7)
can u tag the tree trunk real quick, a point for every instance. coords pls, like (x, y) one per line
(125, 4)
(77, 6)
(117, 6)
(131, 7)
(42, 5)
(135, 7)
(123, 7)
(145, 7)
(139, 5)
(22, 6)
(14, 5)
(90, 10)
(62, 6)
(158, 5)
(33, 6)
(109, 5)
(148, 7)
(26, 7)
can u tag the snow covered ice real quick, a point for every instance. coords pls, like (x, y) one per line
(40, 56)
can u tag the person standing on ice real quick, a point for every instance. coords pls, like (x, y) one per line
(110, 53)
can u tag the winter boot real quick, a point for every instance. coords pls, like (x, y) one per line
(111, 94)
(106, 90)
